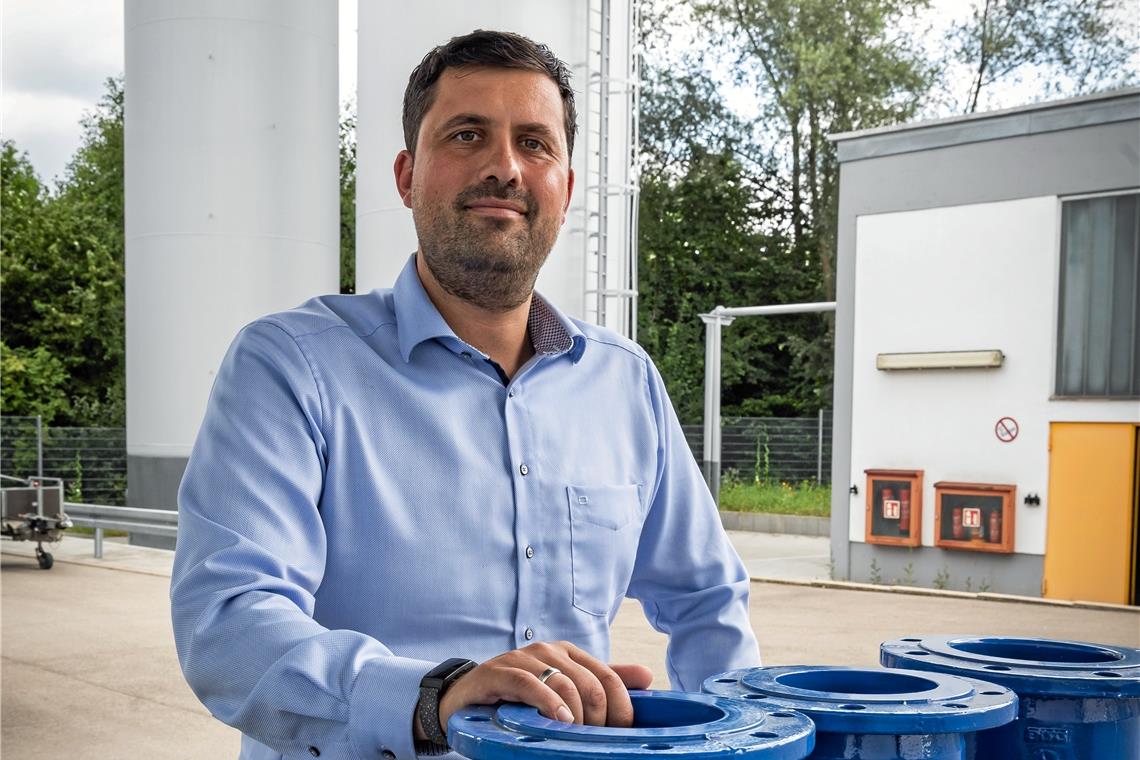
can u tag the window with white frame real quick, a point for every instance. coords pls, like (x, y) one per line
(1098, 318)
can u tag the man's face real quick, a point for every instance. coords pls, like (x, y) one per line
(490, 182)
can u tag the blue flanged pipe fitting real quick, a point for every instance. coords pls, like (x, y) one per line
(665, 724)
(1079, 701)
(874, 713)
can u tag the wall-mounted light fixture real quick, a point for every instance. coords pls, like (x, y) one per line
(941, 360)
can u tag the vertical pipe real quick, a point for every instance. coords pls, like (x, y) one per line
(711, 464)
(716, 412)
(98, 542)
(710, 380)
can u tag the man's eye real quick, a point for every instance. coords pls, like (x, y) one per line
(532, 144)
(466, 135)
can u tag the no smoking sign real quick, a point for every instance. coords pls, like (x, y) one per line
(1006, 429)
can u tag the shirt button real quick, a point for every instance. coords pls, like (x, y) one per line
(524, 469)
(529, 552)
(528, 634)
(466, 355)
(510, 394)
(388, 755)
(314, 752)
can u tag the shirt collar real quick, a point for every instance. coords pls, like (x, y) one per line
(417, 320)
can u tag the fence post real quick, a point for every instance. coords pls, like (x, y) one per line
(819, 455)
(39, 465)
(39, 446)
(98, 542)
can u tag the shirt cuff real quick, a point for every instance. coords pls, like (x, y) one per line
(382, 707)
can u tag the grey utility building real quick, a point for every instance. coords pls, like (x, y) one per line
(987, 379)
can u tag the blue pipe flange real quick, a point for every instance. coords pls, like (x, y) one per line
(665, 724)
(1078, 700)
(874, 712)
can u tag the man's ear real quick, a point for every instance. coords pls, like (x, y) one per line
(569, 193)
(403, 171)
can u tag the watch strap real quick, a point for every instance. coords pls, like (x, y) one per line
(432, 688)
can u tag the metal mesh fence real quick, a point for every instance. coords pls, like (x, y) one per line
(772, 449)
(91, 461)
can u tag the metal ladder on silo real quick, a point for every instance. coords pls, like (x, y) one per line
(601, 190)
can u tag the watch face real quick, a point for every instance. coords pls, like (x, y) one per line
(446, 672)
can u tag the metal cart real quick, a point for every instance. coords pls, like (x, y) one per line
(32, 510)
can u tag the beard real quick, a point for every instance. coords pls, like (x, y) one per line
(487, 262)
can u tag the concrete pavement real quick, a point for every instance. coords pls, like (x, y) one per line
(89, 669)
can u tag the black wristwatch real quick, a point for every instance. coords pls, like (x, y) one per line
(432, 688)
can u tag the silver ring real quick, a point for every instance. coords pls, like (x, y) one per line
(546, 674)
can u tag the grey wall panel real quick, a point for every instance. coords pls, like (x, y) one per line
(961, 571)
(1093, 159)
(1015, 122)
(153, 484)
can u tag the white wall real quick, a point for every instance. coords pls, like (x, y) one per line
(980, 276)
(388, 52)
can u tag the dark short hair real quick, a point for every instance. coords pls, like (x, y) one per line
(484, 48)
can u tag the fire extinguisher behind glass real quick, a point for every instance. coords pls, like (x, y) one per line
(904, 511)
(958, 531)
(995, 527)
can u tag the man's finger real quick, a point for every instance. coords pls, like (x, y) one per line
(619, 708)
(587, 689)
(564, 686)
(633, 676)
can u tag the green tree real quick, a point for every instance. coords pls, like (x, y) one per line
(707, 237)
(62, 277)
(1070, 46)
(744, 213)
(822, 67)
(348, 199)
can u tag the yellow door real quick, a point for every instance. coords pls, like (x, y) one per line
(1090, 544)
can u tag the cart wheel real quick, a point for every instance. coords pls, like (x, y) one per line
(45, 559)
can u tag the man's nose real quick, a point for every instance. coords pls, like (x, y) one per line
(502, 162)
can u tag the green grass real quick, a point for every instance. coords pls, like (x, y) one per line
(776, 498)
(79, 530)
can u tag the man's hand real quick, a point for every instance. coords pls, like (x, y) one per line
(586, 691)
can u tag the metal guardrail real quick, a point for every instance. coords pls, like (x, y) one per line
(151, 522)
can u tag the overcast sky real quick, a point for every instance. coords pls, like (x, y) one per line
(56, 56)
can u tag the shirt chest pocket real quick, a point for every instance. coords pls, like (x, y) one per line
(605, 524)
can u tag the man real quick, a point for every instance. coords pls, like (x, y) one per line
(387, 485)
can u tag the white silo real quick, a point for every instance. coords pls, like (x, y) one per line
(231, 199)
(591, 273)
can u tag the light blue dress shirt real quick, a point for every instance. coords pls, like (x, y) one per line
(367, 497)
